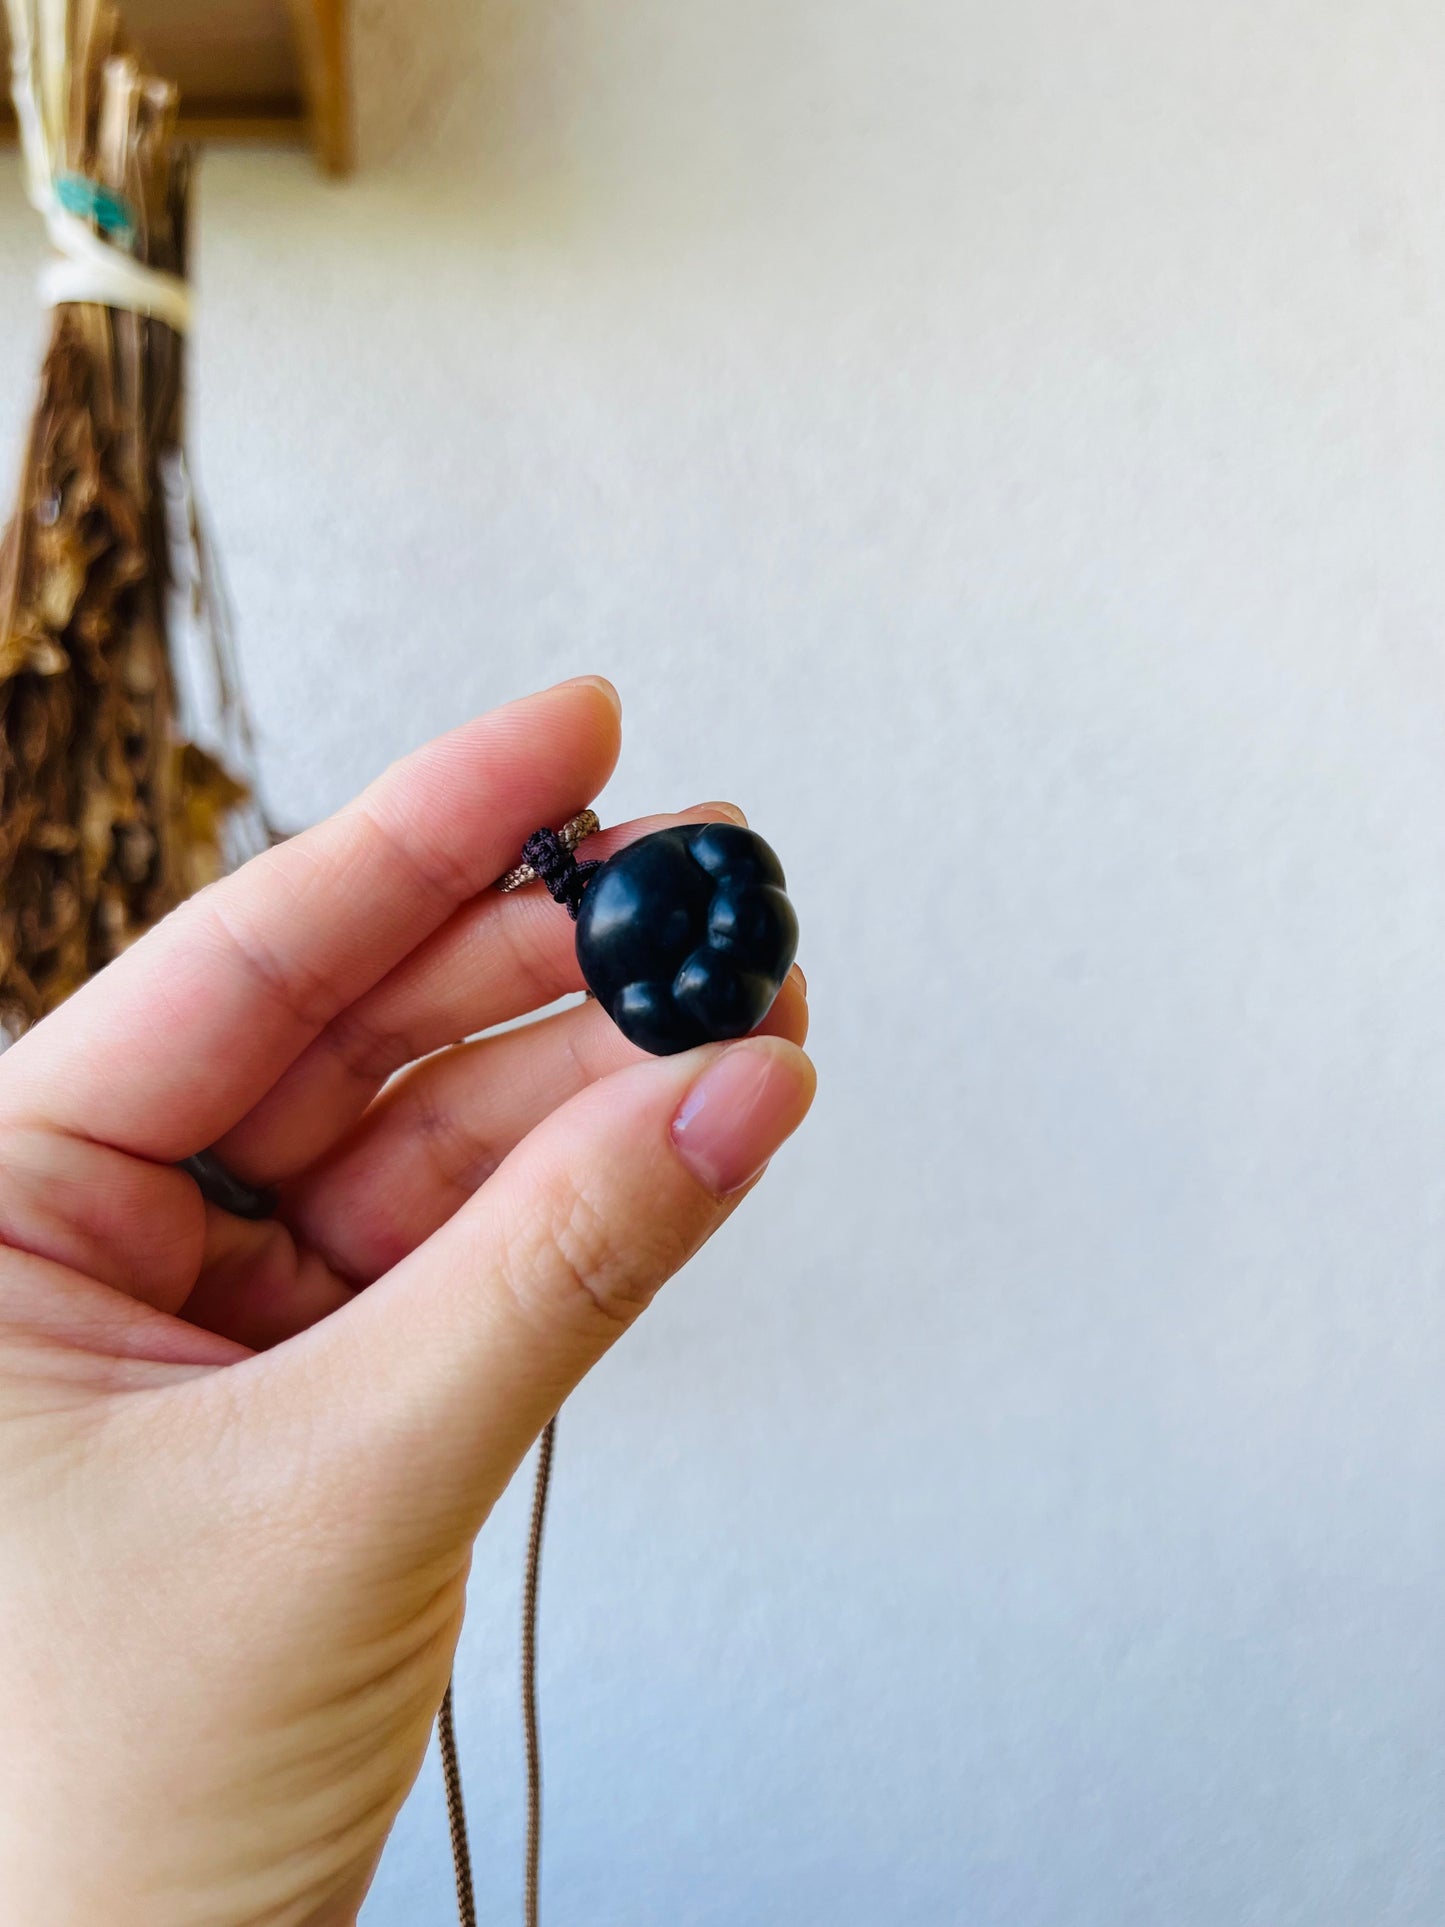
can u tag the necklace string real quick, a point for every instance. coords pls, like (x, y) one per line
(446, 1727)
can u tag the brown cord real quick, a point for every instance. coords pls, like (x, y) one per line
(446, 1732)
(529, 1668)
(456, 1812)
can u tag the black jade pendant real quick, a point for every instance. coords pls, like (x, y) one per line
(685, 936)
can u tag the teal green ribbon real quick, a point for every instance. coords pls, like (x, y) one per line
(80, 195)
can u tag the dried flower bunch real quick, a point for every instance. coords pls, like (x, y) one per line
(113, 646)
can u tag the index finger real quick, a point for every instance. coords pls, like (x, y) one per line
(184, 1033)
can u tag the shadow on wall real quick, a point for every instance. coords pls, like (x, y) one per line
(532, 112)
(474, 89)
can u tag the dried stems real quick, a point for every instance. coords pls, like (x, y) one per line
(108, 816)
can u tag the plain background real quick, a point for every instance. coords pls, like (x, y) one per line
(1004, 447)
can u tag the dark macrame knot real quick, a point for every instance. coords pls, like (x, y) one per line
(566, 879)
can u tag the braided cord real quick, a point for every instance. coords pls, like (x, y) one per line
(446, 1730)
(529, 1668)
(456, 1812)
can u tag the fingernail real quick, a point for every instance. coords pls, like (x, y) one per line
(741, 1108)
(597, 682)
(797, 971)
(729, 811)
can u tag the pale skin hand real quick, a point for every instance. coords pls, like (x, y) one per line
(238, 1492)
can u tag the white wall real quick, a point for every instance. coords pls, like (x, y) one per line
(1003, 446)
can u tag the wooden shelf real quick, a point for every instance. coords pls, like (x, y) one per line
(273, 72)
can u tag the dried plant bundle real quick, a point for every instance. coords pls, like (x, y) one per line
(124, 749)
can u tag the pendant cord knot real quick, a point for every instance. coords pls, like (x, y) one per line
(555, 865)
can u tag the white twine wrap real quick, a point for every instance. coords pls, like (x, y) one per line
(87, 267)
(90, 269)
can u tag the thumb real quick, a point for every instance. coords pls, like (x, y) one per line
(418, 1400)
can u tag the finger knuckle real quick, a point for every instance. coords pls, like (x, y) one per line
(369, 1049)
(288, 981)
(427, 863)
(583, 1268)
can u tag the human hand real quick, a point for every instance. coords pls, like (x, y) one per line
(238, 1491)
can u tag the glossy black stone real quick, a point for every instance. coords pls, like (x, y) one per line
(685, 936)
